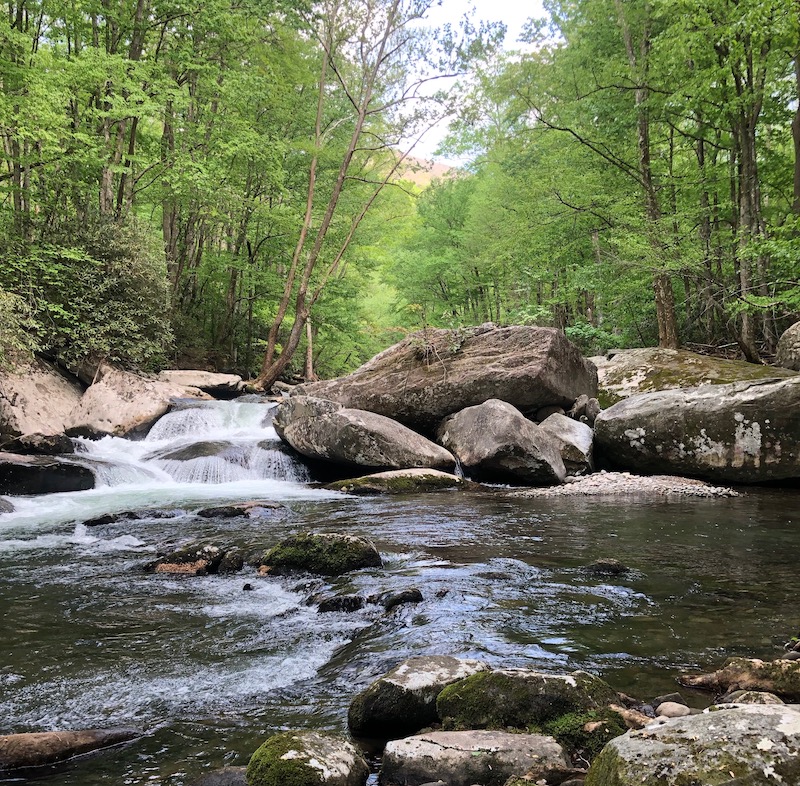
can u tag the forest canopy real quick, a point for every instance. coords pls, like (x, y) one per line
(226, 185)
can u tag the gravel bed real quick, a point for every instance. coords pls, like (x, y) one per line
(604, 482)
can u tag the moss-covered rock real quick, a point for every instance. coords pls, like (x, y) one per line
(196, 559)
(307, 758)
(584, 734)
(403, 700)
(323, 553)
(519, 698)
(749, 745)
(781, 677)
(401, 481)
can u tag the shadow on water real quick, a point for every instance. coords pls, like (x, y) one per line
(208, 670)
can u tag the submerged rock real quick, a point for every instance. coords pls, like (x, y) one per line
(194, 560)
(781, 677)
(38, 749)
(747, 432)
(227, 776)
(307, 758)
(495, 442)
(399, 481)
(519, 698)
(753, 745)
(324, 553)
(42, 475)
(464, 758)
(434, 373)
(403, 700)
(324, 430)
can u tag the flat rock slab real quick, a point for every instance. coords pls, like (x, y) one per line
(464, 758)
(38, 749)
(41, 475)
(399, 481)
(403, 700)
(210, 382)
(753, 744)
(434, 373)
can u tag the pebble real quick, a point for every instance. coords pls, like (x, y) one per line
(625, 483)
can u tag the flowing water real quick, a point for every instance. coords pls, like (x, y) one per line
(207, 670)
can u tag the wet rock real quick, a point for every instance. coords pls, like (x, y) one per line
(6, 505)
(746, 432)
(227, 776)
(36, 399)
(324, 553)
(519, 698)
(400, 481)
(251, 509)
(752, 744)
(120, 403)
(495, 442)
(434, 373)
(630, 372)
(193, 560)
(307, 758)
(41, 475)
(607, 566)
(41, 445)
(788, 353)
(463, 758)
(575, 442)
(781, 677)
(750, 697)
(390, 600)
(231, 562)
(218, 385)
(111, 518)
(344, 603)
(37, 749)
(403, 700)
(324, 430)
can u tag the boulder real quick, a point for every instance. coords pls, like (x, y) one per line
(629, 372)
(781, 677)
(41, 445)
(464, 758)
(519, 698)
(752, 744)
(399, 481)
(788, 354)
(307, 758)
(41, 475)
(121, 403)
(403, 700)
(747, 432)
(36, 399)
(494, 441)
(6, 506)
(326, 430)
(434, 373)
(194, 560)
(227, 776)
(216, 385)
(324, 553)
(38, 749)
(750, 697)
(575, 442)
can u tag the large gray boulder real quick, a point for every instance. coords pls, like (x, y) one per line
(747, 745)
(494, 441)
(403, 700)
(42, 475)
(121, 403)
(788, 354)
(747, 432)
(464, 758)
(36, 399)
(434, 373)
(309, 758)
(325, 430)
(629, 372)
(38, 749)
(217, 385)
(575, 441)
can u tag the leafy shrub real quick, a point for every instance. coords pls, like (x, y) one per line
(19, 337)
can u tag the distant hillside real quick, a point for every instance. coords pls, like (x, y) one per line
(421, 172)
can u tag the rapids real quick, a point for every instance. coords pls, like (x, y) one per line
(207, 670)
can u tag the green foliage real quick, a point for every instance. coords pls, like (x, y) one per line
(585, 734)
(19, 331)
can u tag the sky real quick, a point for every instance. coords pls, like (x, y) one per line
(513, 13)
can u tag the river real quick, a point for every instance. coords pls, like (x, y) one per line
(208, 670)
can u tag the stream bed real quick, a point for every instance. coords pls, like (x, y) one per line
(207, 670)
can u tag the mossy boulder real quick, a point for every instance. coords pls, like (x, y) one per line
(307, 758)
(400, 481)
(403, 700)
(781, 677)
(752, 745)
(630, 372)
(196, 559)
(585, 733)
(519, 698)
(323, 553)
